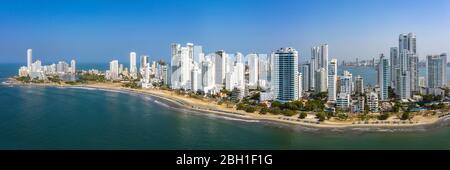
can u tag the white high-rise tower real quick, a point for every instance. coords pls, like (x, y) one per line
(29, 58)
(73, 68)
(408, 64)
(332, 80)
(394, 64)
(319, 60)
(384, 80)
(253, 69)
(133, 69)
(436, 70)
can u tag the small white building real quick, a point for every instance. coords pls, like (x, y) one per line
(372, 102)
(343, 101)
(265, 96)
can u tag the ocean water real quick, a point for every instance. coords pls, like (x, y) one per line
(70, 118)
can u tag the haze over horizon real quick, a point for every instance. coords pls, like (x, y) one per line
(102, 30)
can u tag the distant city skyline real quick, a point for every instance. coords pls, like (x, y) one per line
(100, 30)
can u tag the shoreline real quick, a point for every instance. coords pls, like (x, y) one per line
(205, 109)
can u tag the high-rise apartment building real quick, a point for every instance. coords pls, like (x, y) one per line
(384, 80)
(436, 70)
(332, 80)
(285, 80)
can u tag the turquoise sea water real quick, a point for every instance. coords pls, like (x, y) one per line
(55, 118)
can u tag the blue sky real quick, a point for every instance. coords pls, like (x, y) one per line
(101, 30)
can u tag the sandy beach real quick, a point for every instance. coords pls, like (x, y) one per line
(205, 106)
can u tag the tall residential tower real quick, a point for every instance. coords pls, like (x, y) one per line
(285, 78)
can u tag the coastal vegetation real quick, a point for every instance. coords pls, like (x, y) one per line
(321, 116)
(84, 78)
(384, 116)
(302, 115)
(24, 79)
(131, 84)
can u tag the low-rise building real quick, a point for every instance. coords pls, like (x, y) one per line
(343, 101)
(372, 102)
(358, 105)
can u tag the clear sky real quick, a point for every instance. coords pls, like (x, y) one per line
(101, 30)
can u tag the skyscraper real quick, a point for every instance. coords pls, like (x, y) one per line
(300, 88)
(285, 80)
(175, 64)
(114, 69)
(145, 81)
(384, 80)
(164, 74)
(198, 53)
(320, 80)
(312, 67)
(319, 59)
(436, 70)
(323, 59)
(230, 81)
(408, 64)
(182, 65)
(208, 75)
(220, 62)
(196, 81)
(413, 65)
(253, 69)
(133, 69)
(263, 71)
(62, 67)
(29, 58)
(394, 64)
(407, 42)
(346, 82)
(143, 62)
(332, 78)
(306, 79)
(239, 68)
(190, 48)
(403, 74)
(359, 85)
(185, 68)
(73, 66)
(405, 92)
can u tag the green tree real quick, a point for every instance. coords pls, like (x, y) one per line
(275, 110)
(264, 110)
(240, 106)
(342, 116)
(321, 116)
(276, 104)
(406, 116)
(298, 103)
(427, 98)
(290, 106)
(225, 91)
(303, 115)
(250, 109)
(288, 112)
(314, 105)
(397, 106)
(24, 79)
(383, 116)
